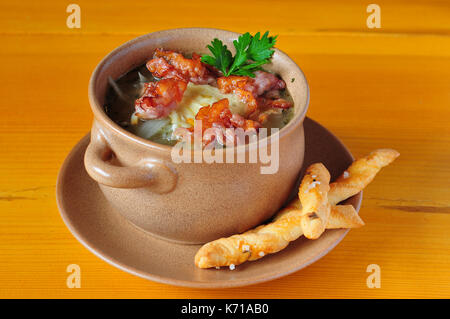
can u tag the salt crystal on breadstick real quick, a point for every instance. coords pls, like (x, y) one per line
(360, 173)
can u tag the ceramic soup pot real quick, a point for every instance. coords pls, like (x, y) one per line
(183, 202)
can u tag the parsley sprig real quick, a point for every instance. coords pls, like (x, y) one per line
(251, 53)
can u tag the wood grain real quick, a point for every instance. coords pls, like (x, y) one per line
(373, 88)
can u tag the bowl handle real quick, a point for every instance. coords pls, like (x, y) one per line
(146, 173)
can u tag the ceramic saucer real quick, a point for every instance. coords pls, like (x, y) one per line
(112, 238)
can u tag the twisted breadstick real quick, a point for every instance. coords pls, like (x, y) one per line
(313, 196)
(268, 239)
(289, 223)
(360, 174)
(341, 216)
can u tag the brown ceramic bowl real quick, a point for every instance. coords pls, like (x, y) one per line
(188, 202)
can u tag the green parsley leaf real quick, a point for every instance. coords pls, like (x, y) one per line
(241, 56)
(259, 49)
(251, 53)
(221, 58)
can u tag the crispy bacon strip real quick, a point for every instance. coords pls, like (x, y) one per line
(265, 81)
(160, 68)
(219, 116)
(268, 107)
(278, 103)
(249, 90)
(171, 64)
(241, 86)
(160, 98)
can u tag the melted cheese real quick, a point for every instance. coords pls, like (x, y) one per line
(197, 96)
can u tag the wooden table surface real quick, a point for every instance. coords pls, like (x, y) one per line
(387, 87)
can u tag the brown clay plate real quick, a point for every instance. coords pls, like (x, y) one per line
(112, 238)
